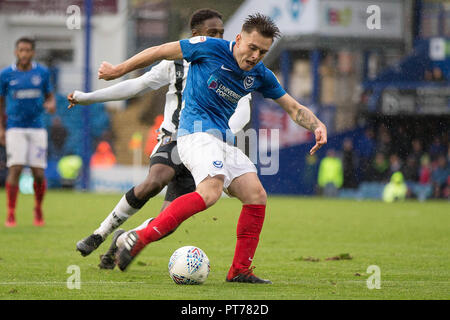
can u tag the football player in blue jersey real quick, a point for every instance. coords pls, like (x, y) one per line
(25, 91)
(165, 166)
(221, 72)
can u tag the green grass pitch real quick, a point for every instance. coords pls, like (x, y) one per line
(409, 242)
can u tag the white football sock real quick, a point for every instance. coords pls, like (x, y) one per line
(119, 215)
(143, 225)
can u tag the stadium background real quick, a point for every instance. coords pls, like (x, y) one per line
(384, 93)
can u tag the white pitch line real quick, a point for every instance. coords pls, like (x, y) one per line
(65, 282)
(362, 281)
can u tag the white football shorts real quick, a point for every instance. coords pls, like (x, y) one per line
(27, 147)
(205, 155)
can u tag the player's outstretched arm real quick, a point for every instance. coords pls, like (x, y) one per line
(154, 79)
(145, 58)
(305, 118)
(120, 91)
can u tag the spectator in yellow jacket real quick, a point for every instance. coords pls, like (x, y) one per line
(331, 174)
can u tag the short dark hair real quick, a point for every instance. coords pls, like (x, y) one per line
(201, 15)
(263, 24)
(26, 40)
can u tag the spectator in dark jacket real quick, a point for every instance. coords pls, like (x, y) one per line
(349, 164)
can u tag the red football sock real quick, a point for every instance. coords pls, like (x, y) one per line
(248, 229)
(179, 210)
(39, 192)
(11, 193)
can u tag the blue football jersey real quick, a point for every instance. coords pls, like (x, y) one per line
(24, 93)
(215, 84)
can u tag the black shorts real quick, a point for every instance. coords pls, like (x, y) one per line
(182, 182)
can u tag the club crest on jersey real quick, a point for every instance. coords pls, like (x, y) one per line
(218, 164)
(36, 80)
(248, 82)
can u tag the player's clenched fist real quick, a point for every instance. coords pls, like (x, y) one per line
(107, 71)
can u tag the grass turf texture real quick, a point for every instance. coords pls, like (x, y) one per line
(408, 241)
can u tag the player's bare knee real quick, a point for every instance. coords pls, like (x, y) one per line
(38, 177)
(261, 196)
(256, 196)
(210, 193)
(210, 189)
(14, 172)
(211, 197)
(39, 180)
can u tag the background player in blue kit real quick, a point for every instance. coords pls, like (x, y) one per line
(221, 72)
(26, 92)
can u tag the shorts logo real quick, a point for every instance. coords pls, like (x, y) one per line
(248, 82)
(218, 164)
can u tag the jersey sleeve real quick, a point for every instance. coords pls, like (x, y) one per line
(3, 83)
(197, 47)
(241, 115)
(159, 75)
(271, 87)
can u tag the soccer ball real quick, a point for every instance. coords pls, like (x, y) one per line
(189, 265)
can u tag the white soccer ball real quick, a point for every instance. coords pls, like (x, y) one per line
(189, 265)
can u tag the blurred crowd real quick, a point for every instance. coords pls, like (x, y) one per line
(381, 152)
(374, 157)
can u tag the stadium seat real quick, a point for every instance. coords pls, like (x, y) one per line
(421, 191)
(370, 190)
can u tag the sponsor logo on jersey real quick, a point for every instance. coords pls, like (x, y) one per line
(248, 82)
(218, 164)
(222, 90)
(212, 83)
(27, 94)
(226, 69)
